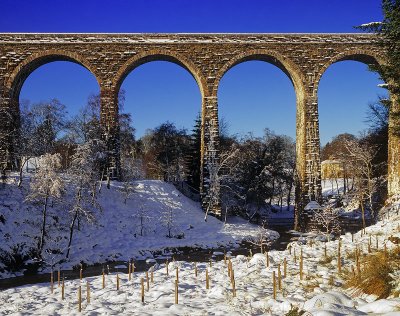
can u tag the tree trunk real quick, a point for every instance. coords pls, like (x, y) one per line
(43, 231)
(21, 169)
(71, 232)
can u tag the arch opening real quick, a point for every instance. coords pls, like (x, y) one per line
(351, 101)
(162, 101)
(257, 97)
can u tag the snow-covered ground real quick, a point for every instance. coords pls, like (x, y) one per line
(319, 293)
(116, 234)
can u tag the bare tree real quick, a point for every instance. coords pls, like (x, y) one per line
(46, 184)
(327, 220)
(361, 157)
(84, 172)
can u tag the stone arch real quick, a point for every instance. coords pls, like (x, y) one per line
(361, 55)
(30, 64)
(287, 66)
(158, 55)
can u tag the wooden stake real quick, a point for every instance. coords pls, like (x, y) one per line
(117, 282)
(294, 255)
(267, 256)
(176, 291)
(133, 267)
(147, 281)
(207, 280)
(52, 282)
(352, 237)
(177, 274)
(279, 277)
(79, 299)
(274, 284)
(301, 266)
(87, 292)
(104, 279)
(284, 267)
(210, 262)
(80, 273)
(339, 259)
(166, 266)
(129, 271)
(142, 284)
(195, 269)
(59, 277)
(233, 284)
(62, 289)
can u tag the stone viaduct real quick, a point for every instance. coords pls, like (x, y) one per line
(111, 57)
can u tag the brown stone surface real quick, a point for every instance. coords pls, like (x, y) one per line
(110, 57)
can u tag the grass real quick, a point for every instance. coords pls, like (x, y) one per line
(375, 276)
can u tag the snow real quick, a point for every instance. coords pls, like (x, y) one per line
(254, 292)
(320, 292)
(115, 235)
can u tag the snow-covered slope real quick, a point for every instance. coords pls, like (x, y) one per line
(116, 235)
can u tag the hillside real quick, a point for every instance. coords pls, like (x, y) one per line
(116, 233)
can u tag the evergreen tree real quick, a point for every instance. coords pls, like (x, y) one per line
(194, 155)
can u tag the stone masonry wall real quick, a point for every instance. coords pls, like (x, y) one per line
(110, 57)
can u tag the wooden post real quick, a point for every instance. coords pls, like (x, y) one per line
(224, 258)
(207, 280)
(176, 291)
(117, 282)
(79, 299)
(80, 273)
(210, 262)
(233, 283)
(229, 267)
(129, 270)
(352, 237)
(59, 277)
(147, 281)
(369, 244)
(294, 256)
(267, 256)
(284, 267)
(301, 264)
(142, 285)
(166, 266)
(177, 274)
(195, 269)
(279, 277)
(339, 259)
(62, 289)
(133, 267)
(52, 282)
(87, 292)
(274, 284)
(104, 279)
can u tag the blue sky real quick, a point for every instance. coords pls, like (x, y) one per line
(252, 95)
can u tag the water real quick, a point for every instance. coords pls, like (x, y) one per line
(181, 254)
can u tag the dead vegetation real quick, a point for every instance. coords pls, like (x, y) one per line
(375, 273)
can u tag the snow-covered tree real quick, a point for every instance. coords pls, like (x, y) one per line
(143, 217)
(168, 219)
(86, 166)
(327, 220)
(46, 184)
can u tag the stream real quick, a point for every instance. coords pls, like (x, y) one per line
(179, 254)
